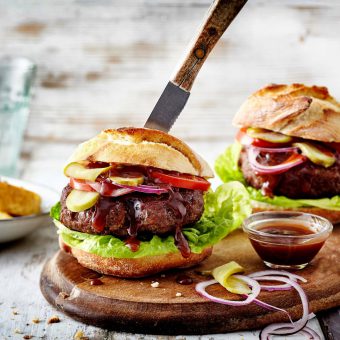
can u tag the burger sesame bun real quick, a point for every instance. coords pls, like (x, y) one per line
(332, 215)
(294, 110)
(144, 147)
(134, 268)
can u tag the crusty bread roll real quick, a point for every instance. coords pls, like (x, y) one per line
(140, 146)
(294, 110)
(332, 215)
(134, 268)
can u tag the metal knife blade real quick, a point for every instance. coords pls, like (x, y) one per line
(176, 93)
(167, 109)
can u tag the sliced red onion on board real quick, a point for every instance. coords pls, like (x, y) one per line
(255, 287)
(286, 328)
(290, 281)
(284, 286)
(291, 276)
(271, 307)
(254, 152)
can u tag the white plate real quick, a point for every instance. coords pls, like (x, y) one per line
(17, 227)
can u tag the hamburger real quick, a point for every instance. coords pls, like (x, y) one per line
(135, 205)
(287, 149)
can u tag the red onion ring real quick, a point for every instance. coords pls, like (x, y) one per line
(271, 307)
(200, 288)
(286, 328)
(253, 153)
(114, 189)
(147, 189)
(109, 191)
(290, 281)
(95, 185)
(285, 286)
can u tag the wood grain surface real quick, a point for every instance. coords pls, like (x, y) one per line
(136, 306)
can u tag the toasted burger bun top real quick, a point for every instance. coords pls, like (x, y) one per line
(145, 147)
(295, 110)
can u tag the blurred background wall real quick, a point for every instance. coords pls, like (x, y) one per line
(104, 64)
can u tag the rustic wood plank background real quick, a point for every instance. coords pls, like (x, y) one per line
(104, 64)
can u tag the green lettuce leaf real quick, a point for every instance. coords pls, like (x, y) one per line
(55, 211)
(226, 165)
(227, 169)
(224, 211)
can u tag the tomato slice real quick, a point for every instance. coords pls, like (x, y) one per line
(80, 184)
(264, 144)
(182, 180)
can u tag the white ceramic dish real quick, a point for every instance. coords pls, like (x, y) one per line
(15, 228)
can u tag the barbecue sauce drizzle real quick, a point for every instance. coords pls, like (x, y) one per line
(268, 187)
(176, 203)
(102, 210)
(134, 208)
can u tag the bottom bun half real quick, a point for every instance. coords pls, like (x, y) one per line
(134, 268)
(332, 215)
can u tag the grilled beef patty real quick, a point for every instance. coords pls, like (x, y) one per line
(307, 180)
(151, 213)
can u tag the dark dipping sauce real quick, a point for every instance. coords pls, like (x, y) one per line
(284, 250)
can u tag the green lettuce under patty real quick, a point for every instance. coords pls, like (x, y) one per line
(224, 211)
(226, 167)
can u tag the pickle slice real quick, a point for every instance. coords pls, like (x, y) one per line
(223, 274)
(131, 181)
(79, 171)
(316, 155)
(268, 136)
(78, 200)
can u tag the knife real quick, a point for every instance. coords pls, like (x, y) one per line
(175, 95)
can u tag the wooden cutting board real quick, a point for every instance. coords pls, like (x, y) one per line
(135, 306)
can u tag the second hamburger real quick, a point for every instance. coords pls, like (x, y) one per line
(287, 150)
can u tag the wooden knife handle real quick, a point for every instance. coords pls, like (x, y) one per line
(218, 18)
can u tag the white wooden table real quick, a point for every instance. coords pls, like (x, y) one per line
(104, 63)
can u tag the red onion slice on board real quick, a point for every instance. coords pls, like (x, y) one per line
(200, 288)
(284, 286)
